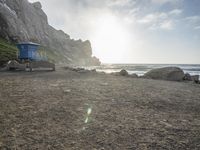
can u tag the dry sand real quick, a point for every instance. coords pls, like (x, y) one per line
(66, 110)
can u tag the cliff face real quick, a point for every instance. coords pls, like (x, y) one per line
(24, 21)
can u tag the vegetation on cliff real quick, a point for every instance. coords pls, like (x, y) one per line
(8, 51)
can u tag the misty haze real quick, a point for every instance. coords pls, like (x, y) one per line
(99, 74)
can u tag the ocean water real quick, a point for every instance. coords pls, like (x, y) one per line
(141, 69)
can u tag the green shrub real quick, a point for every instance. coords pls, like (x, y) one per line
(8, 51)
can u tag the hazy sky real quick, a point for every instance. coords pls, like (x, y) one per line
(132, 31)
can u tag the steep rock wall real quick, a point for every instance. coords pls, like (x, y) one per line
(24, 21)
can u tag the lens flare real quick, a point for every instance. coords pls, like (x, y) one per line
(86, 120)
(89, 111)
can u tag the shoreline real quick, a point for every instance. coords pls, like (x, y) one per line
(141, 69)
(117, 72)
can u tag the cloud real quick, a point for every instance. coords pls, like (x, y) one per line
(176, 12)
(147, 19)
(161, 1)
(159, 20)
(164, 1)
(167, 25)
(152, 18)
(73, 14)
(193, 19)
(193, 22)
(119, 2)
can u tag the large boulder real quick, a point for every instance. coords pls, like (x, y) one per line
(123, 73)
(167, 73)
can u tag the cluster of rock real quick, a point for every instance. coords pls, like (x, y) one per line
(125, 73)
(167, 73)
(21, 21)
(80, 70)
(171, 74)
(194, 78)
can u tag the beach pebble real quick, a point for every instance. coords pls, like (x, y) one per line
(67, 91)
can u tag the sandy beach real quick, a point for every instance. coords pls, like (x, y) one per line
(67, 110)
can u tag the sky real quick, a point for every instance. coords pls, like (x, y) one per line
(132, 31)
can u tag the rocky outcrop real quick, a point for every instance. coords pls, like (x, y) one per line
(167, 73)
(123, 73)
(187, 77)
(80, 70)
(24, 21)
(195, 78)
(134, 75)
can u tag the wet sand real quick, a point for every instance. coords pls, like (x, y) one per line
(67, 110)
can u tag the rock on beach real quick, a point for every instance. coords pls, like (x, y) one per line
(167, 73)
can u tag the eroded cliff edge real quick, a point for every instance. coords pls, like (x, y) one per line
(21, 20)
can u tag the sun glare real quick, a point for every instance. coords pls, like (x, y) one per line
(110, 39)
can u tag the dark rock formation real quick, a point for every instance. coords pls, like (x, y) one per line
(37, 5)
(195, 78)
(134, 75)
(187, 77)
(167, 73)
(24, 21)
(123, 73)
(80, 70)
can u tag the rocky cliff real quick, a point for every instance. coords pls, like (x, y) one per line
(24, 21)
